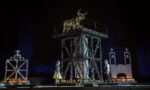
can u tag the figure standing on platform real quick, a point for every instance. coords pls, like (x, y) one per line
(107, 71)
(57, 75)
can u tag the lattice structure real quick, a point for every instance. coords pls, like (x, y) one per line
(16, 69)
(81, 54)
(121, 72)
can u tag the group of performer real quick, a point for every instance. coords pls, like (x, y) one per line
(57, 75)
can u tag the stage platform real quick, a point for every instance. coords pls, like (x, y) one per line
(100, 87)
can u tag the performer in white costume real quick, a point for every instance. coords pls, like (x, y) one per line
(107, 71)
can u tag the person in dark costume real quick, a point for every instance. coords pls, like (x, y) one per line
(107, 71)
(57, 75)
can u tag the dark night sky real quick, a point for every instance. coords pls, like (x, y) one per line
(29, 25)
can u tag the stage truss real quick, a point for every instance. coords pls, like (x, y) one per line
(81, 54)
(16, 69)
(82, 60)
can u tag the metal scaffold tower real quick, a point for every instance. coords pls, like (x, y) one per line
(81, 51)
(16, 69)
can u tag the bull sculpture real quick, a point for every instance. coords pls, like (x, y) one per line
(74, 23)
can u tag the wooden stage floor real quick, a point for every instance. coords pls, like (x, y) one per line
(101, 87)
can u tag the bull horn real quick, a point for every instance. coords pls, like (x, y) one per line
(78, 12)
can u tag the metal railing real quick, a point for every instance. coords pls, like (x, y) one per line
(87, 23)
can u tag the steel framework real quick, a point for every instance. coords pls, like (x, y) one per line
(16, 69)
(81, 54)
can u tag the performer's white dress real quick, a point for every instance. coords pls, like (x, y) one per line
(57, 74)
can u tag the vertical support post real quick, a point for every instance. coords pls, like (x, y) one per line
(27, 70)
(92, 47)
(71, 71)
(16, 74)
(92, 52)
(6, 70)
(71, 48)
(101, 71)
(62, 57)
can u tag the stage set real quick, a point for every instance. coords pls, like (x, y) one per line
(80, 65)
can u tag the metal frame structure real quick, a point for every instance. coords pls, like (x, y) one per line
(16, 69)
(76, 60)
(81, 54)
